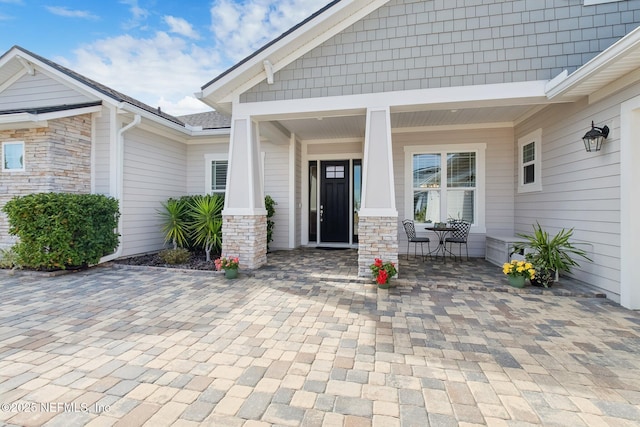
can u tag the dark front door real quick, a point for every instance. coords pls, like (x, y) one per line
(334, 202)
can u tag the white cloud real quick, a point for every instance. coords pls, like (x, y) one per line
(138, 14)
(181, 26)
(70, 13)
(148, 68)
(166, 68)
(241, 27)
(182, 107)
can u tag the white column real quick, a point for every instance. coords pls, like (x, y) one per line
(630, 204)
(378, 224)
(244, 228)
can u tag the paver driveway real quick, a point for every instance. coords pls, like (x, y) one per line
(129, 346)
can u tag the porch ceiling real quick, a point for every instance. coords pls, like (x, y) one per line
(353, 126)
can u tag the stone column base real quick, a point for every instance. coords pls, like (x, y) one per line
(245, 237)
(377, 238)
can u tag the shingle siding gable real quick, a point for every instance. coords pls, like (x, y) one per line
(411, 44)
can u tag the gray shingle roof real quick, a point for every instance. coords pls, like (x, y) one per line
(111, 93)
(208, 120)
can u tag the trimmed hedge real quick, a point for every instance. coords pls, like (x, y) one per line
(59, 230)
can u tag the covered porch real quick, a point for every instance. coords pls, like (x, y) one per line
(316, 265)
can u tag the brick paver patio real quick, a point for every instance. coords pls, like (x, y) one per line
(288, 346)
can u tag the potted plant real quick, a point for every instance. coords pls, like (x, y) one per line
(549, 255)
(229, 265)
(518, 272)
(383, 272)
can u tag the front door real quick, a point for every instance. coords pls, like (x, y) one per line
(334, 201)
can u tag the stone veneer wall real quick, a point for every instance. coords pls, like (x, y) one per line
(57, 159)
(245, 236)
(377, 238)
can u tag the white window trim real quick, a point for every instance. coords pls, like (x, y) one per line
(5, 143)
(479, 148)
(208, 158)
(536, 138)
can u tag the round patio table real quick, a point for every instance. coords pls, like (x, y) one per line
(441, 232)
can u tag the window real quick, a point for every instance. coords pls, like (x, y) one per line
(446, 182)
(13, 156)
(529, 162)
(216, 166)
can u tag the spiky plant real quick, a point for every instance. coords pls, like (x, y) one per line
(206, 222)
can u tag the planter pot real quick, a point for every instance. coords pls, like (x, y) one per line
(544, 279)
(231, 273)
(384, 285)
(517, 281)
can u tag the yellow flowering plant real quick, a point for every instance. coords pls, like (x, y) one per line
(519, 268)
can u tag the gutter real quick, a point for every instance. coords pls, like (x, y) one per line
(120, 184)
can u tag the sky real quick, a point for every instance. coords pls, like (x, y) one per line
(157, 51)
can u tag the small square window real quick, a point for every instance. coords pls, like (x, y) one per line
(529, 162)
(13, 156)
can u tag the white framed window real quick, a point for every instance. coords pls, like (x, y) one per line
(445, 182)
(216, 166)
(530, 162)
(13, 156)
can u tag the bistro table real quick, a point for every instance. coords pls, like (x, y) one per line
(441, 232)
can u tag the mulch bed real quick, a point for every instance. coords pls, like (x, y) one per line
(196, 262)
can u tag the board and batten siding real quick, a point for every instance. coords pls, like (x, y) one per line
(155, 170)
(39, 91)
(580, 190)
(499, 182)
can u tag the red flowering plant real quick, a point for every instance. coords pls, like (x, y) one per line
(383, 271)
(227, 263)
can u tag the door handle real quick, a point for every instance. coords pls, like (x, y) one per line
(321, 212)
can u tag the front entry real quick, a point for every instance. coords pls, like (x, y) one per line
(334, 201)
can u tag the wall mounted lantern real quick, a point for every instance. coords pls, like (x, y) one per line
(593, 139)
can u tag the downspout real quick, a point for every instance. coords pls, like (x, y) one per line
(120, 184)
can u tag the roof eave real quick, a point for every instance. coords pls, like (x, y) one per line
(568, 86)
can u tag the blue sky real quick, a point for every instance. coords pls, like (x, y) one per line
(158, 51)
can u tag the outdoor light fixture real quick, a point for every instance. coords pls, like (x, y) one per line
(593, 139)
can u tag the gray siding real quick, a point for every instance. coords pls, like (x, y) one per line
(417, 44)
(155, 170)
(39, 91)
(196, 164)
(102, 153)
(580, 190)
(276, 185)
(500, 186)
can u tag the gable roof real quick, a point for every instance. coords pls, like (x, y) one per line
(271, 43)
(99, 87)
(277, 54)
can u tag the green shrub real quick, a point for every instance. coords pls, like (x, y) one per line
(174, 222)
(182, 219)
(269, 204)
(58, 230)
(8, 258)
(175, 256)
(206, 222)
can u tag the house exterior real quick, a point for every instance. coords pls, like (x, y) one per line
(370, 112)
(62, 132)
